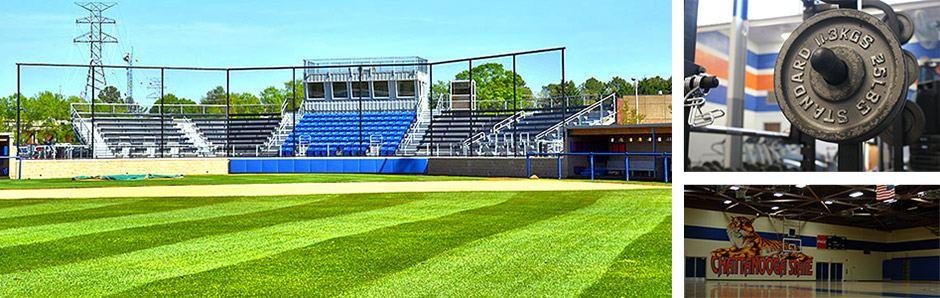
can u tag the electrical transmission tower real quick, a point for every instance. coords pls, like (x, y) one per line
(95, 38)
(129, 59)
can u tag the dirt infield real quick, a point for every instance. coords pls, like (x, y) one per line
(315, 188)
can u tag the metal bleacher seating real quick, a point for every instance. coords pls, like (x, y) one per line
(244, 135)
(141, 137)
(326, 134)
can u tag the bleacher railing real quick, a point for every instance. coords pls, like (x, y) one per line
(151, 110)
(334, 106)
(605, 107)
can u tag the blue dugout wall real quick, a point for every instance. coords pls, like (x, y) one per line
(378, 165)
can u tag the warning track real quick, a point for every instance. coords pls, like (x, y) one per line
(315, 188)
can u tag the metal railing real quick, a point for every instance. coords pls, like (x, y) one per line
(82, 108)
(596, 106)
(327, 106)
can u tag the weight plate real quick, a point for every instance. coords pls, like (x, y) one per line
(907, 27)
(912, 67)
(913, 124)
(861, 105)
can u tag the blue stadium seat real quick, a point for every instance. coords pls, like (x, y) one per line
(325, 132)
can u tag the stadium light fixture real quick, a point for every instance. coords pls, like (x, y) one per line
(727, 202)
(856, 194)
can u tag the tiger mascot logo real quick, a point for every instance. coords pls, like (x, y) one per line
(747, 243)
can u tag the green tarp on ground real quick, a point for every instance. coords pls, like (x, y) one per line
(125, 177)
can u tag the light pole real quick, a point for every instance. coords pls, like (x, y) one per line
(636, 100)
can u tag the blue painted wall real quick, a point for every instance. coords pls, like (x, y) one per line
(329, 165)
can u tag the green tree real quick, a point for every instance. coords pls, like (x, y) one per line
(593, 86)
(172, 99)
(437, 89)
(494, 86)
(619, 86)
(554, 96)
(110, 94)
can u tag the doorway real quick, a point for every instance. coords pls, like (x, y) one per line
(829, 271)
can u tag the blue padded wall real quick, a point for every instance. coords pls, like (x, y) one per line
(329, 165)
(921, 268)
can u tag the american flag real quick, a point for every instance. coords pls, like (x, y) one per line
(884, 192)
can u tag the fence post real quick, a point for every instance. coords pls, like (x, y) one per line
(592, 165)
(528, 166)
(665, 167)
(626, 166)
(559, 166)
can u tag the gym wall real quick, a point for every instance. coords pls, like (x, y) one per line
(705, 231)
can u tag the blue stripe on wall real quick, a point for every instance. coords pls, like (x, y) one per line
(708, 233)
(719, 42)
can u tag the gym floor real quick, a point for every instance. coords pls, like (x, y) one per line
(698, 287)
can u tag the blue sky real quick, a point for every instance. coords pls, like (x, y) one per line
(603, 38)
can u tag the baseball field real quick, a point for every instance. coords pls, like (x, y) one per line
(327, 235)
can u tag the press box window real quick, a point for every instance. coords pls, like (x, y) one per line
(380, 88)
(360, 89)
(406, 88)
(315, 90)
(340, 90)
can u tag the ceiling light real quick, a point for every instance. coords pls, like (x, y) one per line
(891, 200)
(774, 208)
(828, 202)
(778, 194)
(785, 35)
(800, 185)
(912, 208)
(921, 193)
(862, 214)
(856, 194)
(727, 202)
(734, 187)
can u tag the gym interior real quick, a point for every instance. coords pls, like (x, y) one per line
(812, 240)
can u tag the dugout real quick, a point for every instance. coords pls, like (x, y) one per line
(6, 150)
(639, 138)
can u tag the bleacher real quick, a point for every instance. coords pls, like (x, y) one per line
(448, 131)
(326, 134)
(141, 137)
(245, 135)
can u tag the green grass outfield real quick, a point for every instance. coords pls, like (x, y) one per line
(249, 179)
(455, 244)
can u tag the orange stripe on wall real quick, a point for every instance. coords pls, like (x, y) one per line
(713, 65)
(719, 67)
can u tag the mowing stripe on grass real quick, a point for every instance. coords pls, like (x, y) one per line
(56, 206)
(117, 273)
(644, 268)
(558, 256)
(127, 207)
(4, 204)
(329, 267)
(33, 234)
(79, 248)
